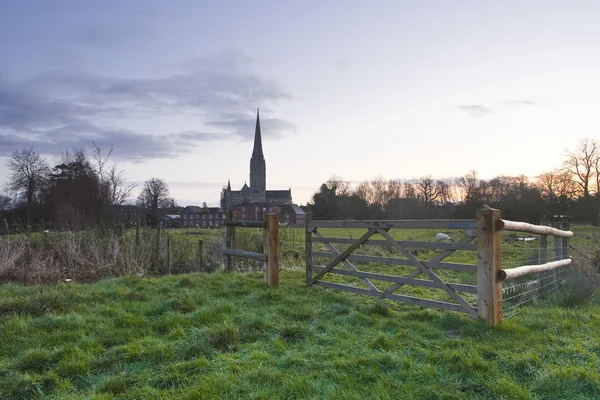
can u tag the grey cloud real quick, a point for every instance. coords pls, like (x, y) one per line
(520, 103)
(476, 110)
(56, 110)
(270, 127)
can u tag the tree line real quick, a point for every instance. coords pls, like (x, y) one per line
(572, 190)
(80, 191)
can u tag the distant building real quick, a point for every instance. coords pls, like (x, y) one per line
(198, 217)
(289, 214)
(257, 192)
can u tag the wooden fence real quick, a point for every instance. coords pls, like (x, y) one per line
(270, 256)
(491, 276)
(485, 229)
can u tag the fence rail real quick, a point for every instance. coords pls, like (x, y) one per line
(535, 229)
(270, 256)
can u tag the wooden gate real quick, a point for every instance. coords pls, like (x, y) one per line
(406, 249)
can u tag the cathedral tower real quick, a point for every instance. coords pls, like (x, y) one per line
(258, 169)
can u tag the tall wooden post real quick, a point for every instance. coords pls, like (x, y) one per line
(308, 253)
(200, 255)
(169, 255)
(230, 242)
(271, 249)
(489, 262)
(158, 252)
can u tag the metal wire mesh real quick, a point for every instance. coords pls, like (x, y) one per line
(530, 289)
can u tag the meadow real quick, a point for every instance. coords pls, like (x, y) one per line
(226, 335)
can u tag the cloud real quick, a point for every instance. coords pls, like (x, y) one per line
(476, 110)
(58, 110)
(520, 103)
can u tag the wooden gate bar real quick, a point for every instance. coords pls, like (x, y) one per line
(442, 285)
(347, 263)
(433, 264)
(435, 260)
(405, 243)
(345, 254)
(405, 299)
(407, 223)
(398, 279)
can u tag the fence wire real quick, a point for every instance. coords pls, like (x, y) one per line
(530, 289)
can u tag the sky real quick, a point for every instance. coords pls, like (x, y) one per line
(355, 89)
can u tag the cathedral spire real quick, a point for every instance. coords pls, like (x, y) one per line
(229, 185)
(257, 151)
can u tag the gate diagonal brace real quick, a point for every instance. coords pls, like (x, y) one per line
(344, 254)
(438, 258)
(347, 263)
(441, 284)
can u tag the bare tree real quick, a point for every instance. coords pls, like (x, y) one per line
(114, 188)
(468, 185)
(29, 174)
(556, 184)
(430, 191)
(584, 166)
(153, 196)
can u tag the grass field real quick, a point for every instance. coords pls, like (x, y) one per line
(228, 336)
(222, 335)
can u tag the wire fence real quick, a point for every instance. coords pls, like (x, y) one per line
(530, 289)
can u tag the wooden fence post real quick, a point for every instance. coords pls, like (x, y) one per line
(169, 255)
(158, 249)
(271, 249)
(489, 260)
(308, 254)
(201, 255)
(230, 243)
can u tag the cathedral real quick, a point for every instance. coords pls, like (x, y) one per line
(256, 193)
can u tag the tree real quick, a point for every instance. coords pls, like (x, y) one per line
(153, 196)
(584, 166)
(113, 188)
(5, 203)
(74, 196)
(29, 174)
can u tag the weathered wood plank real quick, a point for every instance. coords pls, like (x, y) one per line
(455, 296)
(397, 279)
(405, 299)
(512, 273)
(507, 225)
(362, 259)
(348, 264)
(308, 255)
(344, 254)
(437, 260)
(489, 261)
(405, 243)
(407, 223)
(245, 254)
(245, 224)
(271, 249)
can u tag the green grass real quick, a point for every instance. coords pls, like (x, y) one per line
(223, 335)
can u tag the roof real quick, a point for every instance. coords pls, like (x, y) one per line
(171, 216)
(193, 209)
(278, 194)
(297, 209)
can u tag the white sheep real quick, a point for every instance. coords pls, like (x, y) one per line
(442, 236)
